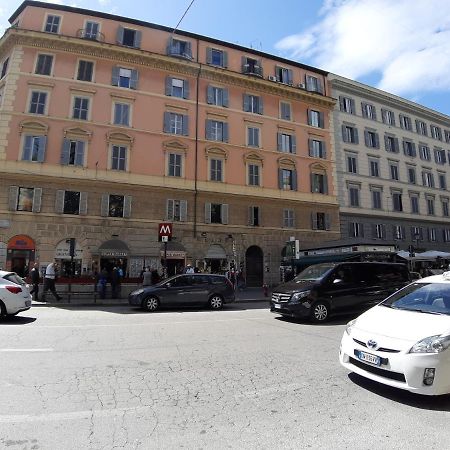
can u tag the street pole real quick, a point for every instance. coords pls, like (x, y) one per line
(165, 259)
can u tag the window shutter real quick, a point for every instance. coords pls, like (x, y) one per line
(166, 124)
(13, 197)
(183, 210)
(418, 126)
(280, 178)
(356, 135)
(104, 205)
(319, 86)
(208, 55)
(324, 149)
(134, 79)
(168, 85)
(115, 76)
(65, 152)
(344, 133)
(79, 153)
(188, 53)
(290, 76)
(244, 64)
(374, 231)
(246, 102)
(314, 221)
(42, 145)
(396, 145)
(208, 128)
(363, 109)
(59, 202)
(325, 184)
(321, 120)
(279, 142)
(37, 200)
(169, 209)
(186, 125)
(327, 222)
(413, 150)
(293, 144)
(225, 132)
(186, 89)
(386, 142)
(352, 106)
(405, 147)
(27, 148)
(210, 95)
(224, 214)
(377, 140)
(169, 46)
(294, 180)
(224, 59)
(341, 98)
(137, 39)
(119, 36)
(127, 206)
(383, 115)
(351, 231)
(251, 211)
(260, 105)
(225, 98)
(207, 212)
(310, 147)
(83, 203)
(313, 179)
(366, 138)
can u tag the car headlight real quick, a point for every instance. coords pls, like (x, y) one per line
(349, 326)
(298, 296)
(432, 344)
(139, 291)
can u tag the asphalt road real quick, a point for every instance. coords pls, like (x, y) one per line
(112, 377)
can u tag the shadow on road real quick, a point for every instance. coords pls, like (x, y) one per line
(335, 320)
(17, 320)
(435, 403)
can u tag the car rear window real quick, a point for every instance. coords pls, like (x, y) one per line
(217, 280)
(14, 278)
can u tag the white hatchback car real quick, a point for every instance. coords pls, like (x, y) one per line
(404, 341)
(14, 294)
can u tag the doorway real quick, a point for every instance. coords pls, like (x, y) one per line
(254, 264)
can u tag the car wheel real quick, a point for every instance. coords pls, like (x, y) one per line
(2, 310)
(151, 304)
(320, 312)
(216, 302)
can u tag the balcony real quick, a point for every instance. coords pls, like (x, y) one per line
(91, 36)
(252, 69)
(179, 49)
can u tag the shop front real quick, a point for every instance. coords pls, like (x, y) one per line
(216, 259)
(113, 253)
(63, 258)
(20, 254)
(175, 257)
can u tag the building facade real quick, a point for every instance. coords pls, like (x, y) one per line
(110, 126)
(392, 161)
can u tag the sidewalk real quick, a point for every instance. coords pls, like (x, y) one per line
(242, 296)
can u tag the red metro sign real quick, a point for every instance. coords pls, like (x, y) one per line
(165, 229)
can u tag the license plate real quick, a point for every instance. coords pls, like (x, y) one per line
(367, 357)
(276, 306)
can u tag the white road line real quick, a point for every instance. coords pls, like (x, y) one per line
(26, 349)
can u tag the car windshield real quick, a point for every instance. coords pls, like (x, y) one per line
(313, 273)
(433, 298)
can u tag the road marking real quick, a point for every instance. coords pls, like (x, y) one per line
(26, 349)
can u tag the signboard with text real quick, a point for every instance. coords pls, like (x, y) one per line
(165, 231)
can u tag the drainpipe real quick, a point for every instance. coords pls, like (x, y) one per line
(196, 143)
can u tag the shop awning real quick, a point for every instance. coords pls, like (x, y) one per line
(215, 251)
(114, 249)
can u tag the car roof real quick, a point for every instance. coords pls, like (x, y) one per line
(442, 278)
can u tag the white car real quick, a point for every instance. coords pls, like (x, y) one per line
(404, 341)
(14, 294)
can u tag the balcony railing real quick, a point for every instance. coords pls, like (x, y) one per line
(84, 34)
(252, 69)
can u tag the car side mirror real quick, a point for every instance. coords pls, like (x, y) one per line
(337, 281)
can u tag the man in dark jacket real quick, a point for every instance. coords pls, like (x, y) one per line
(35, 278)
(115, 283)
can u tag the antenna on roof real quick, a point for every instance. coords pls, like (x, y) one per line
(182, 17)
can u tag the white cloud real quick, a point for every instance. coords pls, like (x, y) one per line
(406, 42)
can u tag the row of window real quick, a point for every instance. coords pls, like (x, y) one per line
(428, 179)
(396, 201)
(391, 144)
(398, 232)
(388, 117)
(29, 199)
(180, 48)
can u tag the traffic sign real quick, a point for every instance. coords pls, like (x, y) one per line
(165, 229)
(164, 238)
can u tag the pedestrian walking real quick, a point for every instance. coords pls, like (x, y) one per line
(101, 284)
(147, 277)
(49, 281)
(35, 279)
(115, 283)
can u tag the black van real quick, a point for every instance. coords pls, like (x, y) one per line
(323, 289)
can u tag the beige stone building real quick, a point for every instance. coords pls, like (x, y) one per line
(110, 126)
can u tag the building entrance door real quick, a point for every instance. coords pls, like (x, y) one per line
(254, 259)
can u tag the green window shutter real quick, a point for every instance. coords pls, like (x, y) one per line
(42, 145)
(168, 85)
(183, 210)
(210, 95)
(169, 209)
(224, 214)
(65, 152)
(166, 123)
(186, 89)
(119, 36)
(59, 201)
(207, 212)
(13, 197)
(127, 206)
(104, 205)
(225, 98)
(37, 200)
(186, 125)
(79, 153)
(134, 79)
(83, 204)
(115, 76)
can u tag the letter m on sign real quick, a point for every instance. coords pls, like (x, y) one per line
(165, 229)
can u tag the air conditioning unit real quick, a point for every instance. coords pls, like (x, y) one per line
(272, 78)
(301, 85)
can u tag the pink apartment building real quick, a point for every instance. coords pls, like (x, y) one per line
(110, 126)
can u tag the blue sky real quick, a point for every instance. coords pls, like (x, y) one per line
(400, 46)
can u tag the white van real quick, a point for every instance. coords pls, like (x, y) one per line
(14, 294)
